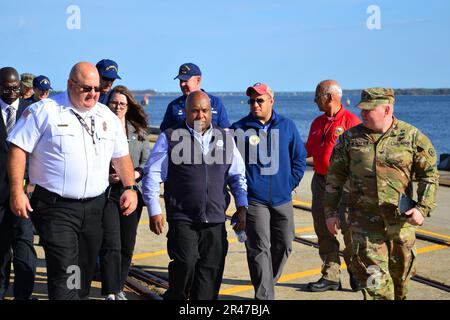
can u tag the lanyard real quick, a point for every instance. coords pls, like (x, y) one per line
(84, 124)
(324, 135)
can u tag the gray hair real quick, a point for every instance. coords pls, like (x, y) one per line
(333, 89)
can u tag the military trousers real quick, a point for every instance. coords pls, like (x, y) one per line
(384, 258)
(328, 244)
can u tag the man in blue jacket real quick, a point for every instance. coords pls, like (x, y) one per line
(190, 77)
(275, 159)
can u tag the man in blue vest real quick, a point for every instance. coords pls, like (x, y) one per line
(190, 77)
(196, 161)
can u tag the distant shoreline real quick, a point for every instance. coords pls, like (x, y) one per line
(352, 92)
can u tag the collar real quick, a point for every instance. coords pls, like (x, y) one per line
(337, 116)
(340, 113)
(253, 122)
(67, 105)
(5, 106)
(194, 133)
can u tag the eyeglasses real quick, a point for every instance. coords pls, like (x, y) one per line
(108, 79)
(260, 101)
(116, 104)
(86, 88)
(10, 89)
(319, 95)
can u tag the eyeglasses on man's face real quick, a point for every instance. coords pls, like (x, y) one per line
(259, 101)
(7, 90)
(85, 88)
(317, 96)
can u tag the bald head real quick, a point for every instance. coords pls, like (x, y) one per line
(9, 74)
(329, 86)
(83, 85)
(198, 111)
(328, 97)
(83, 70)
(9, 84)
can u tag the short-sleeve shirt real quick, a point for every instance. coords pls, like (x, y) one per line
(64, 157)
(323, 135)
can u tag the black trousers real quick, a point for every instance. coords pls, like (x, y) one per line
(71, 234)
(119, 239)
(197, 251)
(16, 245)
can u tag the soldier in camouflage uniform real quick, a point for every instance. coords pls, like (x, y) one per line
(380, 157)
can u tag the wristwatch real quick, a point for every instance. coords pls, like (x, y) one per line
(133, 187)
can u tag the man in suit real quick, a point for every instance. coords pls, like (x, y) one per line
(16, 234)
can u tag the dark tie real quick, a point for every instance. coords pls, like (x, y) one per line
(10, 118)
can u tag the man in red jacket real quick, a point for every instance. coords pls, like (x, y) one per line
(323, 134)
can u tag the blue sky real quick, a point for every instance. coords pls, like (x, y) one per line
(289, 44)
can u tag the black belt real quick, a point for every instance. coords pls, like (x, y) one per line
(51, 197)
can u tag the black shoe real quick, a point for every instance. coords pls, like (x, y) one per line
(324, 285)
(354, 284)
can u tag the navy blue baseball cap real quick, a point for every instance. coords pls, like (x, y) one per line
(187, 71)
(108, 69)
(42, 83)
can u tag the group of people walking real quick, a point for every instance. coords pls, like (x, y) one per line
(93, 172)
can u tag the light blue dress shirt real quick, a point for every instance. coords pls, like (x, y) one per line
(155, 171)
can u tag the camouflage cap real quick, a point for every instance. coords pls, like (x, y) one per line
(373, 97)
(27, 79)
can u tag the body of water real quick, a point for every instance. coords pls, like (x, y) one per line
(431, 114)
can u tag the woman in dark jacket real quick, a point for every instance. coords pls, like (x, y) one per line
(120, 231)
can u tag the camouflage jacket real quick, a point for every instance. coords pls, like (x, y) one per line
(379, 171)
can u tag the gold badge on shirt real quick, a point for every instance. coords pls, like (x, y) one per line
(339, 130)
(254, 140)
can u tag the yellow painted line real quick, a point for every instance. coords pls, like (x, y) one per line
(148, 254)
(162, 252)
(300, 230)
(143, 222)
(302, 203)
(432, 248)
(311, 272)
(430, 233)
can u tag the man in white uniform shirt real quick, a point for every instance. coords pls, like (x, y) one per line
(71, 139)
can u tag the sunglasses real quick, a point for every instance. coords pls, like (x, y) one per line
(86, 88)
(260, 101)
(10, 89)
